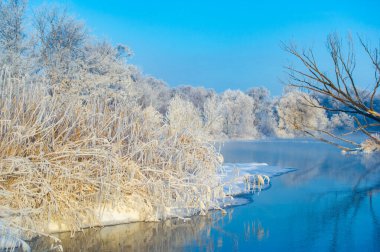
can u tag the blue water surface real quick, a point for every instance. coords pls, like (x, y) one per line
(330, 203)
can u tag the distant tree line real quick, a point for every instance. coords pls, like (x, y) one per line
(58, 49)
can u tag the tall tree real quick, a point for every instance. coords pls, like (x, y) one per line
(60, 43)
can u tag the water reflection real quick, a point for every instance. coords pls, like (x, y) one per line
(205, 233)
(342, 211)
(153, 236)
(255, 230)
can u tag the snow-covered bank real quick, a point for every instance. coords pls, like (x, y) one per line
(233, 178)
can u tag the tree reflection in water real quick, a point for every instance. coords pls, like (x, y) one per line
(255, 230)
(340, 208)
(343, 192)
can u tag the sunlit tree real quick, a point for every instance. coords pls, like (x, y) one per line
(183, 116)
(296, 119)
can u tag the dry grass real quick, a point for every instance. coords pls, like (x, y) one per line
(64, 156)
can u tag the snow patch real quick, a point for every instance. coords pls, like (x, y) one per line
(234, 177)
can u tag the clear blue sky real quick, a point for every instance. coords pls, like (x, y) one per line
(223, 44)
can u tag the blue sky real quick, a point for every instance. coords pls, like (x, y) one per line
(224, 44)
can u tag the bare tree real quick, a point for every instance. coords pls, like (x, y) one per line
(340, 87)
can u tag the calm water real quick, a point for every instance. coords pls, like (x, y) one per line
(330, 203)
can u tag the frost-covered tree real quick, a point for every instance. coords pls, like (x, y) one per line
(213, 116)
(195, 95)
(153, 92)
(263, 110)
(183, 116)
(295, 118)
(238, 117)
(12, 36)
(60, 40)
(102, 65)
(73, 63)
